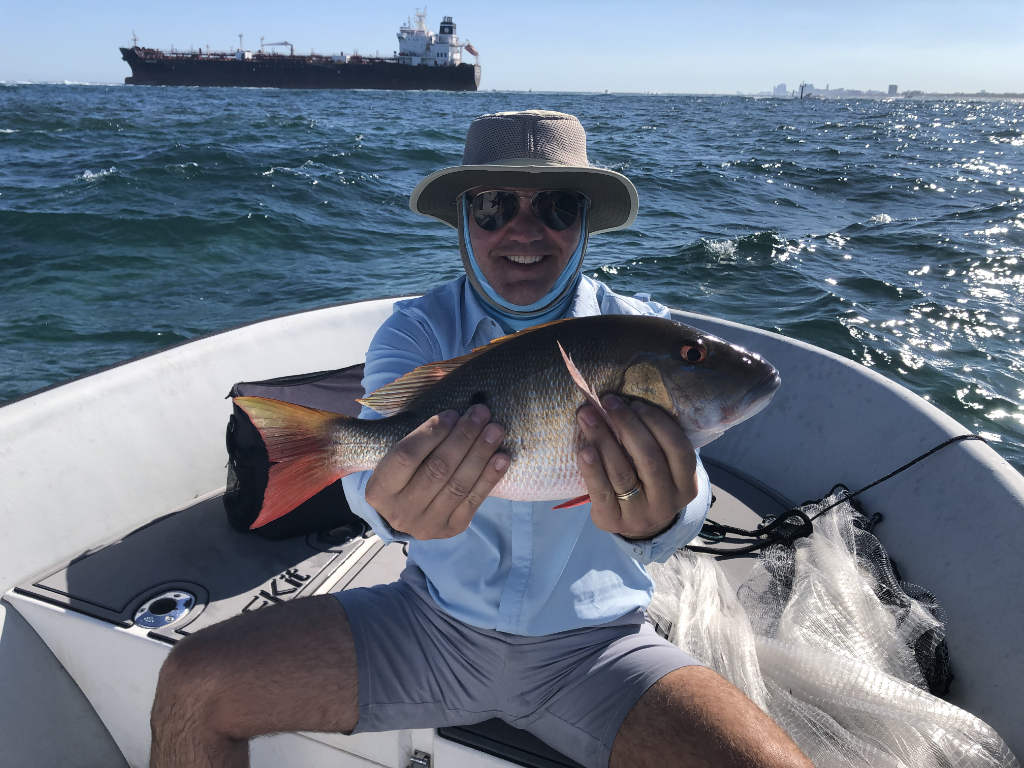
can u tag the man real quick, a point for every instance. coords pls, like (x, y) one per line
(506, 609)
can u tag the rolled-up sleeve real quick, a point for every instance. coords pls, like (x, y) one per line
(685, 529)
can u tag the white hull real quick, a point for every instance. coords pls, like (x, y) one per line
(91, 461)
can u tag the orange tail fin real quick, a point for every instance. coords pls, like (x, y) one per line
(298, 442)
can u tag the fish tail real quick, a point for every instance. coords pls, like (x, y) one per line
(299, 445)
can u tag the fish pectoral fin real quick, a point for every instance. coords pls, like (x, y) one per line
(587, 390)
(584, 499)
(580, 382)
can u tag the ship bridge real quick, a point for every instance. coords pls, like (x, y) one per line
(418, 45)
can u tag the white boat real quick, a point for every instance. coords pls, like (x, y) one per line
(110, 498)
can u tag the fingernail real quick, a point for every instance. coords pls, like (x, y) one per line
(500, 462)
(479, 414)
(611, 402)
(492, 434)
(448, 418)
(588, 416)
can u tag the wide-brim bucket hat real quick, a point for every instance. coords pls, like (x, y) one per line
(534, 149)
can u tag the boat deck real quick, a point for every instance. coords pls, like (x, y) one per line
(196, 552)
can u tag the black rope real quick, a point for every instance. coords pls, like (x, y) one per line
(793, 524)
(771, 531)
(908, 465)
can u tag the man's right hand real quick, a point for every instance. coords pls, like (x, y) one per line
(431, 482)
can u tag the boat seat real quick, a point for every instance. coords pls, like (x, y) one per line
(498, 738)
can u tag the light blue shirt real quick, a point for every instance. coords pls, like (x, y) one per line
(520, 567)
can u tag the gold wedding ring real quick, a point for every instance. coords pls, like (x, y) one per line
(635, 490)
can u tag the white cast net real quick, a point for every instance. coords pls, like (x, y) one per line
(825, 638)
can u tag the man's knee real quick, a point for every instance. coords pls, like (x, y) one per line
(233, 680)
(693, 716)
(187, 686)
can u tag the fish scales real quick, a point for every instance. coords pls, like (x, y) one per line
(524, 381)
(527, 388)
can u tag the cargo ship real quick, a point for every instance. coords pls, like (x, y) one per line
(424, 61)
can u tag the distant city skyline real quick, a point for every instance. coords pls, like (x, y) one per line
(726, 46)
(893, 90)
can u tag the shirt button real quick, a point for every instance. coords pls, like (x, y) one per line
(637, 551)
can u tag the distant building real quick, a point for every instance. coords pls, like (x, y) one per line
(892, 89)
(780, 90)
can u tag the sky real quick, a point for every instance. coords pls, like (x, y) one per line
(687, 46)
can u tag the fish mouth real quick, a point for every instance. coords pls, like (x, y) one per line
(756, 399)
(761, 394)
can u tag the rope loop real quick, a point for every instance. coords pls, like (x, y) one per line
(779, 529)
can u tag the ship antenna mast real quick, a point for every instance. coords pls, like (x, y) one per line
(135, 40)
(240, 46)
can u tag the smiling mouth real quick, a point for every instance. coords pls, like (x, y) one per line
(523, 258)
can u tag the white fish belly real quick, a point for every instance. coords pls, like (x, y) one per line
(542, 475)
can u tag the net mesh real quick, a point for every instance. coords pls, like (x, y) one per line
(827, 639)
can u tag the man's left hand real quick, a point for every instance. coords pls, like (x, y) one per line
(639, 485)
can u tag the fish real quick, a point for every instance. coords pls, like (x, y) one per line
(533, 382)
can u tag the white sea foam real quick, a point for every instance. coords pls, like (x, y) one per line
(721, 249)
(881, 218)
(88, 175)
(54, 82)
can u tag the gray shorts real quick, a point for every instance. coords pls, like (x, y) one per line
(421, 668)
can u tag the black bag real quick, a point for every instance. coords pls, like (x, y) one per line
(248, 464)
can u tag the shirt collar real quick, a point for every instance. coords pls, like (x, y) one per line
(586, 302)
(478, 328)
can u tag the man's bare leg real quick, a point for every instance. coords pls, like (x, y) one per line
(289, 667)
(694, 717)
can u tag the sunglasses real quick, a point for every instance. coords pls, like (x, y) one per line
(558, 209)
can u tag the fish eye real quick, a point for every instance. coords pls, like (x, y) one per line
(694, 353)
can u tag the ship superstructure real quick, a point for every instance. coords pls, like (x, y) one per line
(424, 60)
(418, 46)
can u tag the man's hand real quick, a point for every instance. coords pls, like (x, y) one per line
(431, 482)
(637, 487)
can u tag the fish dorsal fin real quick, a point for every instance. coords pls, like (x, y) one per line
(395, 397)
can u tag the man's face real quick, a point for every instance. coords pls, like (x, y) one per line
(522, 259)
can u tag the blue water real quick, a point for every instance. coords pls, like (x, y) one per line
(892, 233)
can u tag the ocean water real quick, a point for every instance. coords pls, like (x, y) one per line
(890, 232)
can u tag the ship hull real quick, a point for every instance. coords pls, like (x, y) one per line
(295, 72)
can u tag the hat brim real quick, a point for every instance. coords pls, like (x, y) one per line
(613, 198)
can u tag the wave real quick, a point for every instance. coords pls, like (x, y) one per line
(758, 247)
(179, 211)
(88, 175)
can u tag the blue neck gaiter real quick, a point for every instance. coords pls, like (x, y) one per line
(515, 317)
